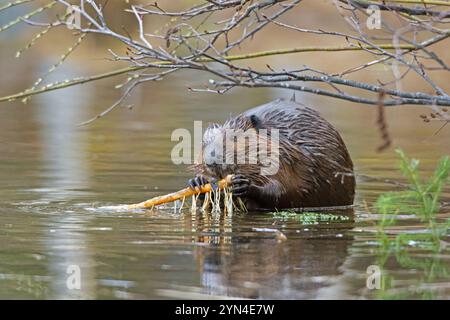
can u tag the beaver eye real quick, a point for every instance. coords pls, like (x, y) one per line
(255, 121)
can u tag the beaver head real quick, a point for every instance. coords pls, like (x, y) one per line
(241, 145)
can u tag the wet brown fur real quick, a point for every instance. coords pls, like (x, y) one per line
(315, 168)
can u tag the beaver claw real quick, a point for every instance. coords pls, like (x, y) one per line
(239, 185)
(197, 182)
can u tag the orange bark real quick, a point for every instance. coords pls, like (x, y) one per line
(186, 192)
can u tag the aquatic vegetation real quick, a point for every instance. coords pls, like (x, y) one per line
(308, 218)
(422, 199)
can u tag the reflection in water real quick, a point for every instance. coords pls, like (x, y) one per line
(234, 261)
(66, 172)
(282, 270)
(433, 267)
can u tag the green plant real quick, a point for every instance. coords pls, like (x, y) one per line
(422, 199)
(309, 218)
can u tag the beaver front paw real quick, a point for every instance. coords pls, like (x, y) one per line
(197, 182)
(240, 185)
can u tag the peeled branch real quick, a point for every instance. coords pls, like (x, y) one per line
(171, 197)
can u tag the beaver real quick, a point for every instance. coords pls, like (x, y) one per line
(314, 166)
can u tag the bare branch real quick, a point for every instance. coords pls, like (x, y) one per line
(201, 38)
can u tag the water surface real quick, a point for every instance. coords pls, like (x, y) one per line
(53, 176)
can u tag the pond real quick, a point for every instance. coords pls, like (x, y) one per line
(55, 175)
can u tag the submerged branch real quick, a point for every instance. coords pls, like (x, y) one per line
(179, 195)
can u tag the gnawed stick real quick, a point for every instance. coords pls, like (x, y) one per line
(186, 192)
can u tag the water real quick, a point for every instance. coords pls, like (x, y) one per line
(54, 177)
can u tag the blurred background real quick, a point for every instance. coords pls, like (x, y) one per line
(53, 172)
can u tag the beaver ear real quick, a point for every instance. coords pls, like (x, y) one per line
(255, 121)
